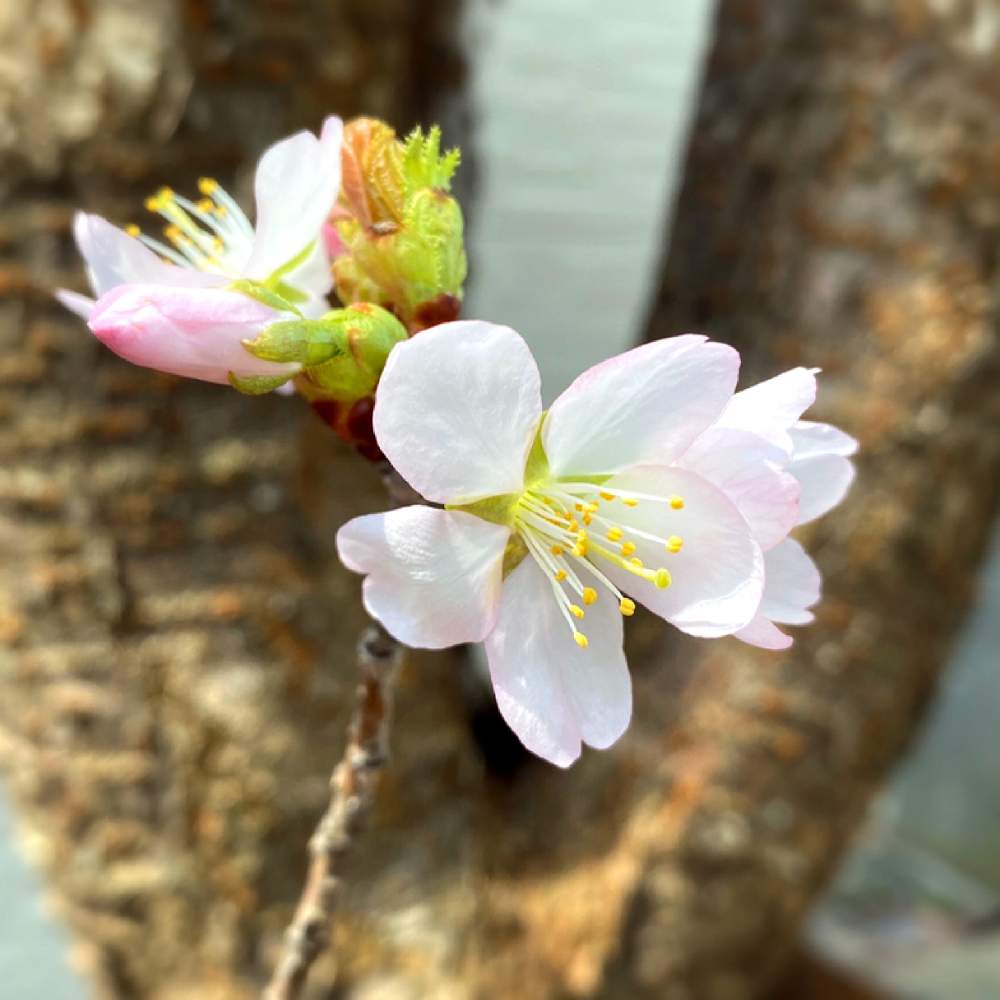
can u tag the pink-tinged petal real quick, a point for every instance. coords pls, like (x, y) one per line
(457, 408)
(296, 186)
(718, 575)
(765, 634)
(433, 576)
(114, 258)
(75, 302)
(750, 471)
(791, 586)
(824, 482)
(646, 405)
(194, 332)
(553, 694)
(811, 439)
(770, 408)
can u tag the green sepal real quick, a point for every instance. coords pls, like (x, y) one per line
(307, 341)
(513, 555)
(536, 469)
(264, 293)
(258, 385)
(498, 509)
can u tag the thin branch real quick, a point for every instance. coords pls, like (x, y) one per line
(352, 792)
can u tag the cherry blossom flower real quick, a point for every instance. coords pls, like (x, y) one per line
(555, 524)
(759, 451)
(173, 305)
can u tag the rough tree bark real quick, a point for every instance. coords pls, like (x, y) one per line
(179, 671)
(176, 652)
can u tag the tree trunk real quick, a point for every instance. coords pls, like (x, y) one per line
(841, 209)
(180, 662)
(176, 643)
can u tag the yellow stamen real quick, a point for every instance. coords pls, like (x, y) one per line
(674, 543)
(589, 595)
(560, 575)
(580, 639)
(576, 611)
(556, 550)
(630, 501)
(206, 185)
(205, 205)
(626, 607)
(152, 203)
(615, 534)
(580, 549)
(588, 518)
(607, 496)
(677, 503)
(132, 229)
(662, 579)
(636, 561)
(628, 548)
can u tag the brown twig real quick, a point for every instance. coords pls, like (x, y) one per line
(352, 791)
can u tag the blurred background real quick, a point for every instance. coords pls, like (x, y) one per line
(816, 184)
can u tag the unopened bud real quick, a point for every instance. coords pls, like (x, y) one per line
(401, 230)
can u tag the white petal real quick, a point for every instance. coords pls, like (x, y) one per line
(824, 481)
(791, 584)
(765, 634)
(811, 439)
(457, 409)
(770, 408)
(718, 575)
(749, 470)
(75, 302)
(553, 694)
(115, 258)
(296, 186)
(313, 277)
(433, 577)
(646, 405)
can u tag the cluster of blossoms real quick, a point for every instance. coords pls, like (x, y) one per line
(649, 481)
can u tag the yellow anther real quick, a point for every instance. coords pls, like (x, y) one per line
(630, 501)
(662, 579)
(578, 506)
(588, 518)
(165, 194)
(580, 639)
(132, 229)
(576, 611)
(206, 185)
(636, 561)
(628, 548)
(556, 550)
(205, 205)
(591, 508)
(560, 575)
(615, 534)
(674, 543)
(221, 211)
(626, 607)
(152, 203)
(677, 503)
(589, 595)
(580, 549)
(607, 496)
